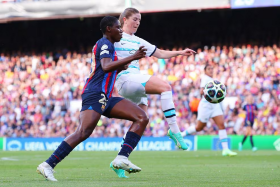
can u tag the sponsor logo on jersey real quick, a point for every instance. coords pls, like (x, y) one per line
(104, 47)
(103, 52)
(132, 51)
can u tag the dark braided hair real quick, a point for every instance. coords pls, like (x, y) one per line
(107, 21)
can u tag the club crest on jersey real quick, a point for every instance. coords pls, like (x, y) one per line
(103, 107)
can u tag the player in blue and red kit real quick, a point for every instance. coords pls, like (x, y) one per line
(251, 112)
(97, 100)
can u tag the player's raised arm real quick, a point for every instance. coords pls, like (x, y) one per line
(108, 65)
(169, 54)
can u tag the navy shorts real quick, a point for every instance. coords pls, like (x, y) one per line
(99, 103)
(249, 123)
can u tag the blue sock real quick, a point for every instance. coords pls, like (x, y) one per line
(130, 142)
(59, 154)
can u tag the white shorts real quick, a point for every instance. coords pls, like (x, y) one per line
(132, 87)
(206, 111)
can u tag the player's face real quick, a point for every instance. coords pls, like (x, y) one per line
(209, 71)
(116, 31)
(133, 22)
(250, 99)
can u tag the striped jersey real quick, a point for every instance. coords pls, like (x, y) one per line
(250, 116)
(98, 81)
(128, 45)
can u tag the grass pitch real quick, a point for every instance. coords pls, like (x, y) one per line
(176, 168)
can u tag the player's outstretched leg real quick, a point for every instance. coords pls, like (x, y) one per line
(130, 111)
(88, 121)
(158, 86)
(191, 130)
(219, 120)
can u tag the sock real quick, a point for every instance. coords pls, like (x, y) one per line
(223, 138)
(191, 130)
(59, 154)
(130, 142)
(244, 138)
(168, 109)
(251, 140)
(122, 142)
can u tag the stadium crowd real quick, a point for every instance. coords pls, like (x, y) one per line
(40, 95)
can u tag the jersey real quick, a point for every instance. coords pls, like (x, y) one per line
(98, 81)
(127, 46)
(207, 110)
(204, 80)
(250, 111)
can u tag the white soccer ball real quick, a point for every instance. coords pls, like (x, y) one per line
(215, 91)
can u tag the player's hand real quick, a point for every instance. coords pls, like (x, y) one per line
(125, 66)
(140, 53)
(187, 52)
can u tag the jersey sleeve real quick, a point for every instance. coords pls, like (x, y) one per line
(244, 107)
(150, 48)
(256, 108)
(106, 50)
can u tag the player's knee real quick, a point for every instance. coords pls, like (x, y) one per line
(83, 134)
(143, 118)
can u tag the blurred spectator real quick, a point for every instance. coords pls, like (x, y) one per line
(194, 105)
(41, 97)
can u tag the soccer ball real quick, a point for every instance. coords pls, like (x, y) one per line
(215, 91)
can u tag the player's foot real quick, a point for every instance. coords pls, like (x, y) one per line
(119, 172)
(122, 162)
(228, 152)
(240, 146)
(178, 139)
(254, 149)
(46, 170)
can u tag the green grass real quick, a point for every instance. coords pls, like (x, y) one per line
(176, 168)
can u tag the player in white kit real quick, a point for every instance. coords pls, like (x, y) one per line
(134, 86)
(207, 110)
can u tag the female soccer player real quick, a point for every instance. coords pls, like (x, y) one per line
(134, 86)
(208, 110)
(97, 101)
(251, 112)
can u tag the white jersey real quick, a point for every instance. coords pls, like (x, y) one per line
(207, 110)
(128, 45)
(204, 80)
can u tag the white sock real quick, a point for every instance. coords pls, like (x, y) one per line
(223, 138)
(191, 129)
(168, 109)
